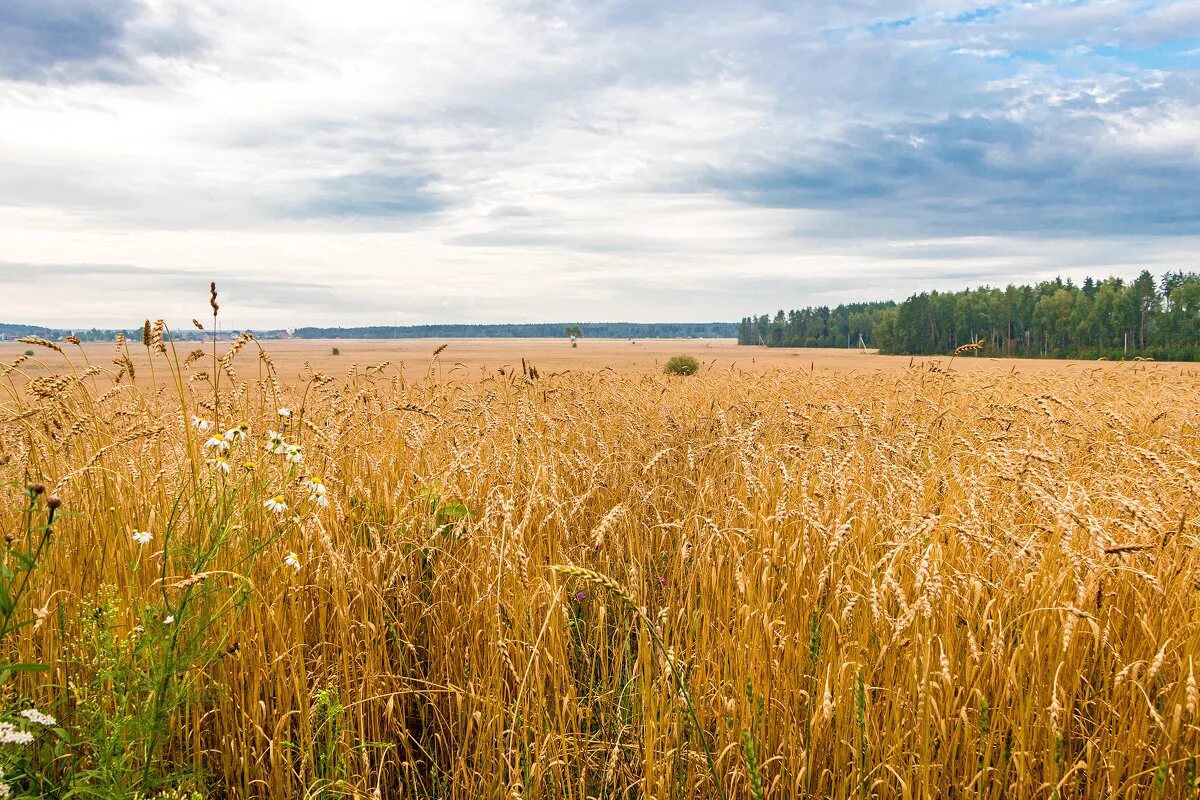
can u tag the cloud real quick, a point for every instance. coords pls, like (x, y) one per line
(553, 159)
(87, 40)
(368, 195)
(976, 175)
(37, 36)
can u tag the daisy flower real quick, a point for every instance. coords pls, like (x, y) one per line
(275, 442)
(276, 504)
(316, 492)
(233, 434)
(169, 619)
(217, 442)
(142, 537)
(291, 560)
(202, 425)
(285, 412)
(35, 716)
(293, 454)
(221, 463)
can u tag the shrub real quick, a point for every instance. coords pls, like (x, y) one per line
(682, 365)
(337, 352)
(28, 352)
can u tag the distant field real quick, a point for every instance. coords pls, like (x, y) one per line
(473, 358)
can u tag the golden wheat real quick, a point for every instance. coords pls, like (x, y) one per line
(927, 583)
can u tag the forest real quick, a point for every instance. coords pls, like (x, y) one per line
(1110, 318)
(532, 330)
(538, 330)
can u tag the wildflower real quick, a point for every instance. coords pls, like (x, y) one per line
(11, 734)
(286, 413)
(202, 425)
(316, 492)
(142, 537)
(221, 463)
(37, 717)
(5, 790)
(293, 454)
(581, 596)
(249, 466)
(169, 619)
(292, 561)
(217, 442)
(276, 504)
(239, 432)
(275, 444)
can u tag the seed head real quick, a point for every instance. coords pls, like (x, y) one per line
(597, 579)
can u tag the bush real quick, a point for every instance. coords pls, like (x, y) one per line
(337, 352)
(682, 365)
(28, 352)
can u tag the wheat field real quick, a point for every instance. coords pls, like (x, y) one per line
(926, 582)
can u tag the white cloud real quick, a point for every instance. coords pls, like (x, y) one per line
(486, 161)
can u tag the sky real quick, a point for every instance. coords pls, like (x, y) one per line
(359, 162)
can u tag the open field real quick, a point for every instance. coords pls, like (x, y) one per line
(474, 358)
(857, 580)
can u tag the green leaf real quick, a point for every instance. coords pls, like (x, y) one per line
(27, 562)
(454, 510)
(23, 668)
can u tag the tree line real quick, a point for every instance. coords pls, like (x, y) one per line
(847, 325)
(1110, 318)
(534, 330)
(548, 330)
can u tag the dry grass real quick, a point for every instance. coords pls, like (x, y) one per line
(913, 583)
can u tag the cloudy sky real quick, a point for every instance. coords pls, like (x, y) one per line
(360, 162)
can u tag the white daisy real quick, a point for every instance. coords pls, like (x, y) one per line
(276, 504)
(142, 537)
(169, 619)
(291, 560)
(202, 425)
(316, 492)
(286, 413)
(233, 434)
(293, 454)
(221, 463)
(275, 443)
(217, 442)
